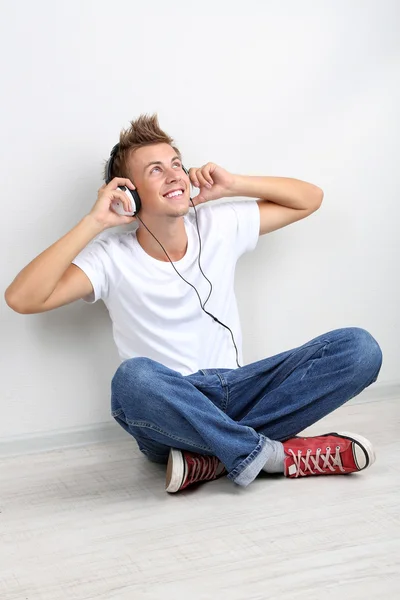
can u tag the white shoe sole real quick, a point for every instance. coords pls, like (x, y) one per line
(363, 450)
(175, 471)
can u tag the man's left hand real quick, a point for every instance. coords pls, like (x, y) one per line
(213, 182)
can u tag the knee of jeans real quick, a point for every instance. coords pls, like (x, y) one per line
(133, 381)
(141, 389)
(139, 371)
(366, 352)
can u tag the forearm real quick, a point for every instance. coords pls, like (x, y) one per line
(37, 281)
(285, 191)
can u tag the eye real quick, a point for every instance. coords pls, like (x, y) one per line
(177, 165)
(155, 169)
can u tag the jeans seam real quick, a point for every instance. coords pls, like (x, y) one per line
(225, 389)
(223, 383)
(146, 425)
(314, 359)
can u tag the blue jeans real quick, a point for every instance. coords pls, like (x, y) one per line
(235, 413)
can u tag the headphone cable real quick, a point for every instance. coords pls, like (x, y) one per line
(198, 259)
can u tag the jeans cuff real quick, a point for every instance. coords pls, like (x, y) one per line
(251, 466)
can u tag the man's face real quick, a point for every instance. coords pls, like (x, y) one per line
(162, 184)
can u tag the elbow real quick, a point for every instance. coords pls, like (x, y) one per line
(15, 303)
(318, 197)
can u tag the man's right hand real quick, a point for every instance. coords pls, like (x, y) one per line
(102, 211)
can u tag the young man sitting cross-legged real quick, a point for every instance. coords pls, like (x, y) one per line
(180, 390)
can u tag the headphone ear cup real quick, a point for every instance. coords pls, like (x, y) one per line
(190, 183)
(137, 201)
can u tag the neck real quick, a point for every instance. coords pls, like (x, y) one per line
(172, 235)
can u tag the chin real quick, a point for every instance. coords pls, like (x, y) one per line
(180, 211)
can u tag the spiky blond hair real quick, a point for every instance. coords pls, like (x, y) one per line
(144, 131)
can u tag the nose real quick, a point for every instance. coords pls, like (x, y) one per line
(172, 177)
(172, 174)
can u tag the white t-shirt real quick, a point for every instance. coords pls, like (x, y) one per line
(154, 312)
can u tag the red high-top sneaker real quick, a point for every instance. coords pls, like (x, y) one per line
(185, 468)
(328, 454)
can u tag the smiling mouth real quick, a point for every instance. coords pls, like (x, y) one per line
(173, 194)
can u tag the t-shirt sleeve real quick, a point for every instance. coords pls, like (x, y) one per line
(94, 262)
(241, 222)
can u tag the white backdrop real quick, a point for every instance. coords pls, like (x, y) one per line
(299, 89)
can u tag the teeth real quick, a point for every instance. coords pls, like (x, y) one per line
(173, 194)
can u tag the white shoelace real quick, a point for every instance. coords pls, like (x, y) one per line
(328, 461)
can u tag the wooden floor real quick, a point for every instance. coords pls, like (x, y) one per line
(95, 523)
